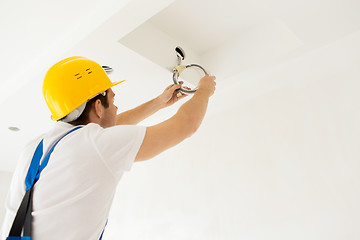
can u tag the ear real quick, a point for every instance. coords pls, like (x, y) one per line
(98, 108)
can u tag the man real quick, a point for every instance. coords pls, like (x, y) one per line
(73, 195)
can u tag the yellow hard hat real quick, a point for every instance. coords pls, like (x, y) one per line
(72, 82)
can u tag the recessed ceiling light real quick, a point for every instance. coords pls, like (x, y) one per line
(15, 129)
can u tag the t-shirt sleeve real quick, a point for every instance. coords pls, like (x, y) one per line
(119, 145)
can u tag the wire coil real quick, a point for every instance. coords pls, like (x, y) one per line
(177, 72)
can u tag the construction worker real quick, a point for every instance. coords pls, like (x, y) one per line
(91, 147)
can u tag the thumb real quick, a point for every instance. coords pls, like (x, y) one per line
(175, 87)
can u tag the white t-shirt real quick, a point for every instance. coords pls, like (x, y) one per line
(73, 196)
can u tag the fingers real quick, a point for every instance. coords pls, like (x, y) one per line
(207, 83)
(177, 95)
(173, 87)
(170, 86)
(181, 95)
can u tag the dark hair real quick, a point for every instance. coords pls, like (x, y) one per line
(83, 119)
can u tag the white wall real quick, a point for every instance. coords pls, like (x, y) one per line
(5, 180)
(282, 163)
(277, 157)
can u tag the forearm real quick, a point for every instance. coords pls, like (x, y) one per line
(193, 111)
(138, 114)
(171, 132)
(182, 125)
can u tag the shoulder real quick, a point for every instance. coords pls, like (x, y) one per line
(118, 145)
(118, 131)
(30, 147)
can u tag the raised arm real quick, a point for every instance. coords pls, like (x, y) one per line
(136, 115)
(182, 125)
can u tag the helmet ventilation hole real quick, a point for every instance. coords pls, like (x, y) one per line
(88, 70)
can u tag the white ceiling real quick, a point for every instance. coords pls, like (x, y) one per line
(233, 39)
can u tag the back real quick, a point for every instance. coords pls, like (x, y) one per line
(73, 196)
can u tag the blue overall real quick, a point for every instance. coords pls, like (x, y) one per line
(32, 177)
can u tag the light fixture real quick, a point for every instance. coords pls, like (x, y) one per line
(14, 129)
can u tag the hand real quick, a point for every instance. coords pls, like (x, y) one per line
(170, 95)
(207, 84)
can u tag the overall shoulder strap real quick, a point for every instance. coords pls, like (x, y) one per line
(35, 167)
(23, 215)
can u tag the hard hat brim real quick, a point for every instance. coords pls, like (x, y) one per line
(112, 85)
(116, 83)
